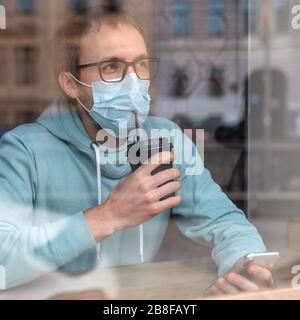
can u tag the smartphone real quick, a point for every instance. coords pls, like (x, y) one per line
(263, 259)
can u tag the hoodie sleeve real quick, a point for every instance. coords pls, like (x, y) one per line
(27, 250)
(207, 216)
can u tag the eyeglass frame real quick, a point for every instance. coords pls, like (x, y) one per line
(127, 65)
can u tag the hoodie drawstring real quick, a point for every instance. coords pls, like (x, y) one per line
(99, 191)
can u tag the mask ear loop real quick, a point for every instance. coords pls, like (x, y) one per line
(83, 106)
(82, 83)
(77, 99)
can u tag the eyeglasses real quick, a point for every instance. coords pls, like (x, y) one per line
(115, 70)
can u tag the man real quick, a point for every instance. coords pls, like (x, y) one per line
(52, 175)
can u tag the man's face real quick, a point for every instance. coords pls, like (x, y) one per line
(122, 42)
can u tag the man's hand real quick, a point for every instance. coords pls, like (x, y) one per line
(233, 283)
(136, 198)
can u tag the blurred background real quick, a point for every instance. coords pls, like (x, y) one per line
(229, 67)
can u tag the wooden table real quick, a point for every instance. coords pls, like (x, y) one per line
(185, 279)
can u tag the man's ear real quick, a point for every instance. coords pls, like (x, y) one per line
(68, 85)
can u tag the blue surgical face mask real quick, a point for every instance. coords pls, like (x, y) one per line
(115, 104)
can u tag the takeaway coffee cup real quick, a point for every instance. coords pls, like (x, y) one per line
(139, 152)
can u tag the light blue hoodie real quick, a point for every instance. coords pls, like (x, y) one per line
(48, 178)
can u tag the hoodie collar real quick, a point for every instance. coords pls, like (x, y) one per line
(63, 121)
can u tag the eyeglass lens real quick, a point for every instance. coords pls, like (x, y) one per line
(114, 71)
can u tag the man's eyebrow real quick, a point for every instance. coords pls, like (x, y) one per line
(114, 58)
(141, 56)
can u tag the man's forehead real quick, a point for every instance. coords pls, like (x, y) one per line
(122, 42)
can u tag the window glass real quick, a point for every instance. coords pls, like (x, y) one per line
(216, 18)
(180, 18)
(25, 6)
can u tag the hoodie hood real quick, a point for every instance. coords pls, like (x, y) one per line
(63, 121)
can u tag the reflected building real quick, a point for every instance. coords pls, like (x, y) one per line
(276, 51)
(203, 46)
(205, 76)
(274, 113)
(27, 85)
(205, 66)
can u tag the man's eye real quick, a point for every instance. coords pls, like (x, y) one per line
(111, 67)
(143, 64)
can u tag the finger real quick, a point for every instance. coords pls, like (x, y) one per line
(226, 287)
(214, 290)
(164, 176)
(155, 161)
(164, 190)
(241, 283)
(164, 205)
(270, 267)
(261, 274)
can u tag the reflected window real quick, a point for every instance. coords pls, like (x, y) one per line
(216, 18)
(180, 18)
(78, 6)
(26, 65)
(250, 14)
(283, 10)
(216, 82)
(25, 6)
(180, 82)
